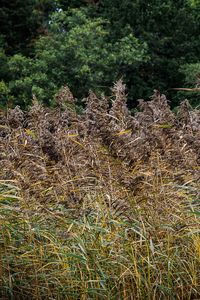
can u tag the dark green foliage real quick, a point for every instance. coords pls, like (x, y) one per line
(4, 75)
(192, 80)
(66, 4)
(78, 52)
(88, 44)
(21, 22)
(171, 30)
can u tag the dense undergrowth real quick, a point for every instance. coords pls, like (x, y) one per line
(103, 205)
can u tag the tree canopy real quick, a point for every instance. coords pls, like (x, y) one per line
(88, 44)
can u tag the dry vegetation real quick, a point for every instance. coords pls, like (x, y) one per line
(102, 205)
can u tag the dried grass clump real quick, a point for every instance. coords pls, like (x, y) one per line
(15, 117)
(103, 205)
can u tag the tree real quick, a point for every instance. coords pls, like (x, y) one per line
(78, 52)
(89, 47)
(169, 28)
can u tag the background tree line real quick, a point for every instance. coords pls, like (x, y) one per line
(89, 44)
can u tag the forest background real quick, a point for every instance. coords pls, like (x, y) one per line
(88, 44)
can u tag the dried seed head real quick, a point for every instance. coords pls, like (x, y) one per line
(64, 98)
(15, 117)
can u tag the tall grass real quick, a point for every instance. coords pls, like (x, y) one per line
(100, 206)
